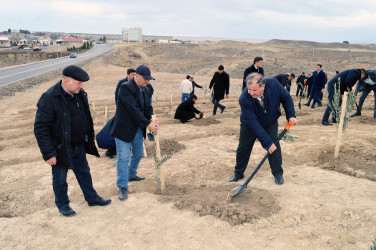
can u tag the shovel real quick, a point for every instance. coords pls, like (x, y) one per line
(244, 186)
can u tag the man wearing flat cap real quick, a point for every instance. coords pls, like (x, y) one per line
(133, 114)
(64, 131)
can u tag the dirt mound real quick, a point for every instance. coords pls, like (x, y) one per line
(166, 147)
(218, 201)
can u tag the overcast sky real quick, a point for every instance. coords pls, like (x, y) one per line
(322, 21)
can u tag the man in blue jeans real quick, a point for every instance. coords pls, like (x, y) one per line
(368, 85)
(133, 114)
(64, 131)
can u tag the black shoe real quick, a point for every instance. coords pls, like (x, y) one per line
(110, 154)
(326, 123)
(319, 105)
(306, 104)
(356, 114)
(334, 121)
(137, 178)
(235, 178)
(100, 202)
(223, 109)
(312, 107)
(279, 180)
(123, 194)
(67, 211)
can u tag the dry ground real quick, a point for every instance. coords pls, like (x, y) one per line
(324, 203)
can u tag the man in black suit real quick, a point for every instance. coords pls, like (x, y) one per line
(133, 114)
(186, 110)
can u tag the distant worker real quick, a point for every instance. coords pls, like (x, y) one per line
(186, 88)
(367, 85)
(347, 80)
(285, 80)
(194, 84)
(300, 84)
(221, 85)
(130, 75)
(318, 86)
(186, 110)
(260, 110)
(256, 67)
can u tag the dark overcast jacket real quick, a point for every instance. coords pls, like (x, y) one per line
(348, 78)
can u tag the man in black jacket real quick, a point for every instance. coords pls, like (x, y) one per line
(300, 84)
(285, 80)
(255, 68)
(64, 131)
(186, 110)
(221, 85)
(133, 114)
(130, 75)
(367, 86)
(346, 80)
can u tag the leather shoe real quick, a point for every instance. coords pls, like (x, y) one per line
(67, 211)
(356, 114)
(109, 154)
(100, 202)
(279, 180)
(235, 178)
(137, 178)
(319, 105)
(306, 104)
(123, 194)
(326, 123)
(223, 109)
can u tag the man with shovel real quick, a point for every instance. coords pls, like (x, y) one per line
(260, 102)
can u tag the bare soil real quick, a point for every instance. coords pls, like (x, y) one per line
(325, 203)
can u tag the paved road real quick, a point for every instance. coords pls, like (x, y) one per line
(18, 73)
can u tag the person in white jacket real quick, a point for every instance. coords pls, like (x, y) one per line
(186, 88)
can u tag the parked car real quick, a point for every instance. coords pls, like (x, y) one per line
(73, 55)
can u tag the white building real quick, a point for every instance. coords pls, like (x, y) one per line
(132, 35)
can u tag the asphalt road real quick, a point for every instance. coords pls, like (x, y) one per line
(14, 74)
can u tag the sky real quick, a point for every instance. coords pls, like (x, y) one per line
(320, 21)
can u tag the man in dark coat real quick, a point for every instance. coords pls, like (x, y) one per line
(186, 110)
(260, 111)
(285, 80)
(64, 131)
(255, 68)
(347, 80)
(130, 75)
(221, 85)
(318, 85)
(194, 84)
(300, 84)
(133, 114)
(366, 86)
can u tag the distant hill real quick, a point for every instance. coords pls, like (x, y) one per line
(318, 45)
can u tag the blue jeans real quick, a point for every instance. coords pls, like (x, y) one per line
(83, 176)
(184, 97)
(216, 105)
(129, 155)
(315, 94)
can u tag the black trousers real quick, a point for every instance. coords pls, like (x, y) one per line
(246, 141)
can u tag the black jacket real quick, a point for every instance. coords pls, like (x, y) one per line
(250, 70)
(129, 112)
(52, 127)
(283, 79)
(221, 84)
(186, 110)
(348, 78)
(118, 87)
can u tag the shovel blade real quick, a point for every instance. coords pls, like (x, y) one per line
(239, 190)
(300, 105)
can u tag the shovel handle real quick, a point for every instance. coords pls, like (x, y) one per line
(288, 126)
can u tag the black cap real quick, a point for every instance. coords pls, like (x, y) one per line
(76, 73)
(144, 71)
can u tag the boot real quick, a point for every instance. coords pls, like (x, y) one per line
(357, 113)
(309, 102)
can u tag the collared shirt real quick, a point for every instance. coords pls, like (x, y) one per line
(369, 81)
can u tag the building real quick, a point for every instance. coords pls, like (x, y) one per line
(4, 42)
(132, 35)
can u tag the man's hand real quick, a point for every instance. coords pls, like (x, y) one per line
(227, 96)
(209, 91)
(51, 161)
(272, 149)
(153, 126)
(323, 90)
(292, 120)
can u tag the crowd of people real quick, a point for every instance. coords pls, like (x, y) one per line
(64, 127)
